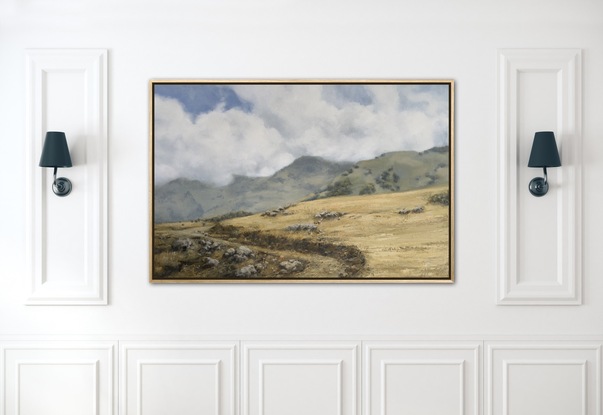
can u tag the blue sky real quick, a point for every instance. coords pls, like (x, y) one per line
(212, 132)
(197, 98)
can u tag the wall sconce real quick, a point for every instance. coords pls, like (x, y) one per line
(544, 154)
(55, 153)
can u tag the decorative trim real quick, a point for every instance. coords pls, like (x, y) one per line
(103, 362)
(86, 285)
(161, 345)
(564, 288)
(512, 349)
(198, 362)
(95, 376)
(434, 346)
(426, 362)
(592, 370)
(527, 362)
(300, 362)
(302, 357)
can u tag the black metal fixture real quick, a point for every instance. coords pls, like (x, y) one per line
(55, 153)
(544, 154)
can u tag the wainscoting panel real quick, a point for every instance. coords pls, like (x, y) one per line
(539, 251)
(552, 379)
(49, 378)
(421, 378)
(190, 375)
(67, 236)
(300, 378)
(184, 378)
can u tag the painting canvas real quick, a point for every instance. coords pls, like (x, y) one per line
(302, 181)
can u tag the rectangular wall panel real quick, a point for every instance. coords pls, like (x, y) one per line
(67, 236)
(184, 378)
(421, 379)
(539, 252)
(553, 379)
(57, 378)
(312, 376)
(299, 379)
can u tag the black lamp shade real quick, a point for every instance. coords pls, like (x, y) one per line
(55, 152)
(544, 151)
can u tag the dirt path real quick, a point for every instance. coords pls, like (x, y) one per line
(347, 237)
(213, 251)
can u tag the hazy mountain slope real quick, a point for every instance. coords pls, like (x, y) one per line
(299, 180)
(306, 178)
(392, 172)
(174, 201)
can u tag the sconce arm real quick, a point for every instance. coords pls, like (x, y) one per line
(61, 186)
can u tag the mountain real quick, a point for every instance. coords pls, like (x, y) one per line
(392, 172)
(175, 200)
(184, 199)
(307, 178)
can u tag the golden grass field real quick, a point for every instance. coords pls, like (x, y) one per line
(393, 246)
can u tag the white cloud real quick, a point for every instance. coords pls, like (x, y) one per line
(288, 121)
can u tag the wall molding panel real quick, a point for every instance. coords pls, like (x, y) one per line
(579, 380)
(505, 375)
(179, 377)
(57, 378)
(300, 378)
(549, 378)
(422, 378)
(539, 241)
(66, 237)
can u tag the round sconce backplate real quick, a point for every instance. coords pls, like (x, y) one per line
(61, 187)
(538, 186)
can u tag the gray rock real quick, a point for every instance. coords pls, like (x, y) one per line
(212, 262)
(328, 215)
(270, 213)
(208, 245)
(310, 227)
(417, 209)
(246, 272)
(281, 210)
(239, 258)
(182, 244)
(244, 251)
(291, 265)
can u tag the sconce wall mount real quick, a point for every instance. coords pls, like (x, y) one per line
(544, 154)
(55, 154)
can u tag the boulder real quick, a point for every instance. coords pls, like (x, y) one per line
(417, 209)
(211, 262)
(310, 227)
(182, 244)
(244, 251)
(328, 215)
(246, 272)
(291, 265)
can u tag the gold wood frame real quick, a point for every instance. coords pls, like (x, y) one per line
(301, 181)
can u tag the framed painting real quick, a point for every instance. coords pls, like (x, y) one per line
(302, 181)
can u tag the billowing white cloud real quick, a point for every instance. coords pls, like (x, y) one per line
(289, 121)
(215, 145)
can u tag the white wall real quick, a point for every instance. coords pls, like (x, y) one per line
(301, 39)
(276, 39)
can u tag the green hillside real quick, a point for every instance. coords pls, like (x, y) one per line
(392, 172)
(306, 178)
(184, 199)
